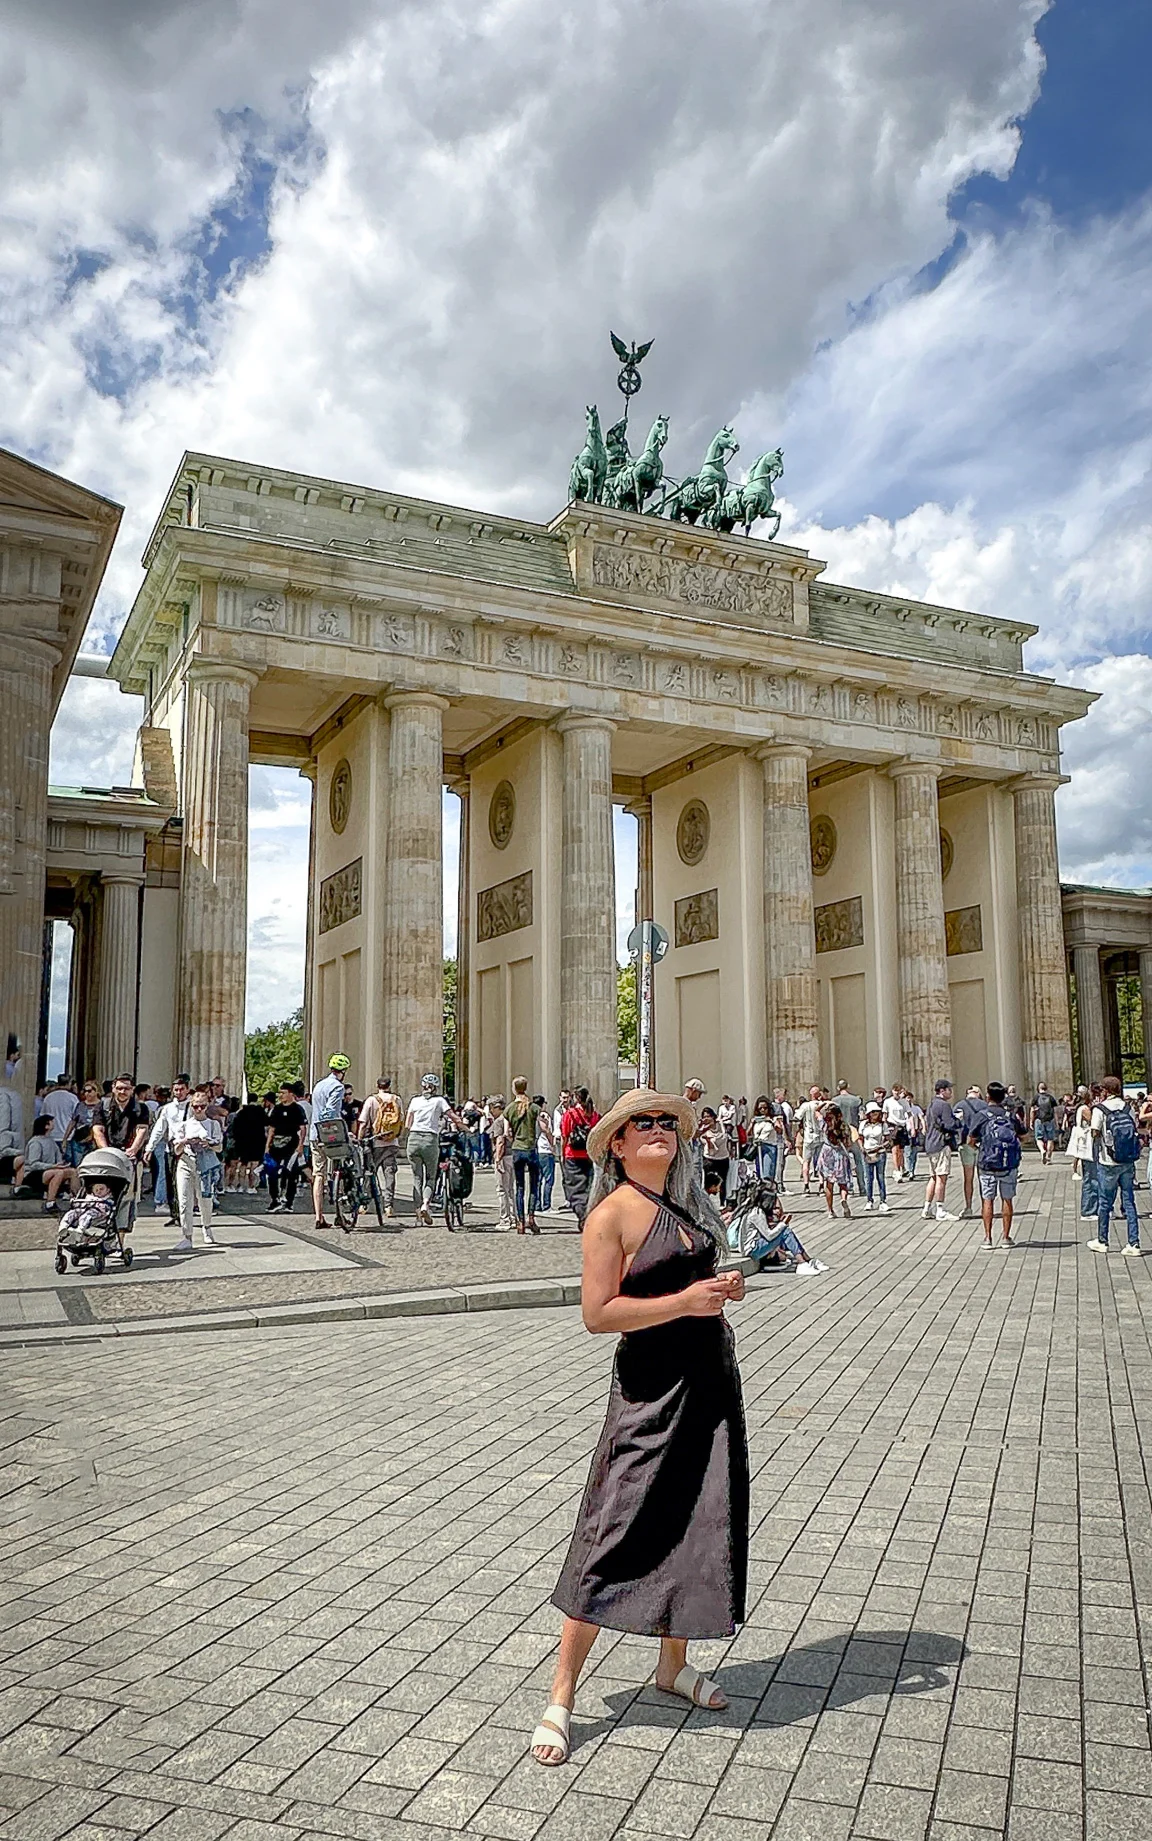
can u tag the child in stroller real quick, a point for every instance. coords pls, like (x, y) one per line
(759, 1229)
(453, 1177)
(100, 1219)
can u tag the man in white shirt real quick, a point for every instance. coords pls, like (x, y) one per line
(59, 1104)
(165, 1131)
(896, 1119)
(1116, 1145)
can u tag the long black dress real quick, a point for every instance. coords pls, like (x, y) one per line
(660, 1546)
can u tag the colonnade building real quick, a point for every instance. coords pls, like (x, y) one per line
(844, 799)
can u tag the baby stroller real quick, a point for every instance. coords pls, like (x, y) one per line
(95, 1225)
(454, 1177)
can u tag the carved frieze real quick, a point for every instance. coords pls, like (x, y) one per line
(839, 925)
(340, 896)
(264, 612)
(963, 931)
(947, 854)
(502, 814)
(670, 578)
(504, 908)
(330, 622)
(698, 918)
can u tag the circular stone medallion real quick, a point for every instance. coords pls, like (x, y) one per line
(502, 814)
(822, 842)
(692, 831)
(340, 795)
(946, 855)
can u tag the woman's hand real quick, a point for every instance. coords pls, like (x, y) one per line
(707, 1297)
(735, 1282)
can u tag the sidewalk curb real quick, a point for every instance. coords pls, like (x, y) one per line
(496, 1294)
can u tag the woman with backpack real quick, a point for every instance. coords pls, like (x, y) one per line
(575, 1163)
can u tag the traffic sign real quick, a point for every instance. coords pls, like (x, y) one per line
(658, 935)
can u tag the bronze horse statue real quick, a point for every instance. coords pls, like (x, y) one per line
(701, 492)
(751, 501)
(591, 464)
(633, 481)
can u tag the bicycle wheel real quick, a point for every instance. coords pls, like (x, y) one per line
(453, 1214)
(374, 1192)
(347, 1199)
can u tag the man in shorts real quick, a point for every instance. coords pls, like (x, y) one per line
(939, 1144)
(996, 1135)
(1042, 1118)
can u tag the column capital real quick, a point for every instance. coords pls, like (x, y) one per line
(898, 769)
(309, 771)
(640, 807)
(108, 877)
(414, 699)
(222, 670)
(782, 751)
(1037, 782)
(460, 784)
(584, 719)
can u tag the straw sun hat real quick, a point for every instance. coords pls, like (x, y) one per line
(640, 1099)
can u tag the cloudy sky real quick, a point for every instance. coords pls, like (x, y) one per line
(384, 240)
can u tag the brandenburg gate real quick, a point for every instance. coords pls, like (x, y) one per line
(844, 799)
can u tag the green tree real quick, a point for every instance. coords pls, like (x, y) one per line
(450, 1030)
(275, 1054)
(627, 1030)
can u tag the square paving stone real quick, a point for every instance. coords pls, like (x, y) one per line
(888, 1813)
(754, 1794)
(672, 1809)
(911, 1764)
(449, 1799)
(967, 1796)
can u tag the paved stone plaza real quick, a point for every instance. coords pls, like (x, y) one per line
(292, 1583)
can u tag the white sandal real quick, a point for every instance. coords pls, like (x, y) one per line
(554, 1731)
(691, 1685)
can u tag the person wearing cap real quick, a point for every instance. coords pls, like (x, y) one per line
(941, 1134)
(427, 1111)
(328, 1096)
(875, 1142)
(660, 1546)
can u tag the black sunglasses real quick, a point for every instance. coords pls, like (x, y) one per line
(644, 1121)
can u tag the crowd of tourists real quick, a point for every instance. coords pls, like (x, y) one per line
(195, 1143)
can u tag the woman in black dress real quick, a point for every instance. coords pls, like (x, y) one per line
(660, 1546)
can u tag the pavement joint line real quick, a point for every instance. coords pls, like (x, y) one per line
(494, 1294)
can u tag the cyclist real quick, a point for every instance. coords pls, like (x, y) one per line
(427, 1111)
(328, 1096)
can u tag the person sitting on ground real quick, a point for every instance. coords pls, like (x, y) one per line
(875, 1142)
(996, 1135)
(41, 1169)
(759, 1229)
(834, 1164)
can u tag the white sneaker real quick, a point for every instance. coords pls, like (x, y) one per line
(883, 1209)
(1131, 1252)
(182, 1246)
(965, 1213)
(1097, 1246)
(830, 1214)
(926, 1214)
(943, 1215)
(868, 1207)
(209, 1237)
(1089, 1217)
(806, 1268)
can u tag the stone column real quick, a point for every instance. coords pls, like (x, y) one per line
(118, 977)
(925, 1009)
(1146, 1007)
(25, 723)
(641, 810)
(463, 790)
(413, 905)
(792, 1042)
(1044, 1020)
(308, 1071)
(1090, 1013)
(588, 1043)
(212, 972)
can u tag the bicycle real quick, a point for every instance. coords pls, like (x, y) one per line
(346, 1183)
(454, 1173)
